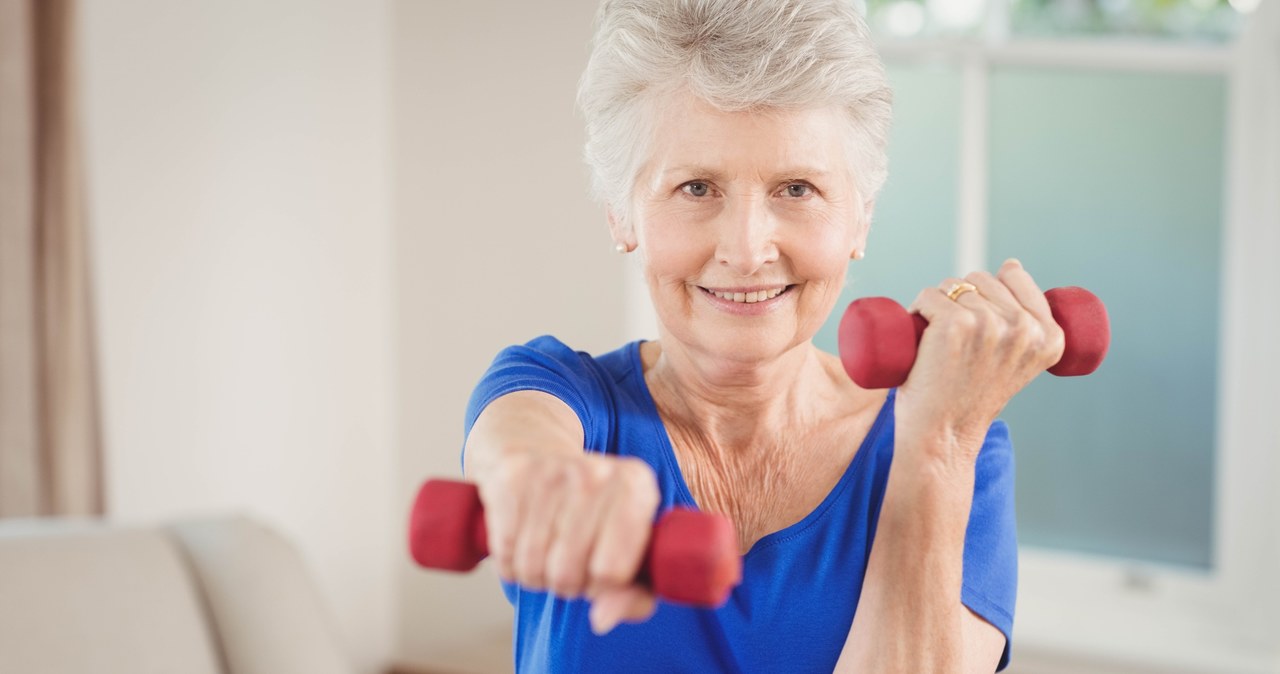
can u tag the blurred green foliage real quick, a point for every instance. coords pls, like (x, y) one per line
(1184, 20)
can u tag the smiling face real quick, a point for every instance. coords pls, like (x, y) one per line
(746, 222)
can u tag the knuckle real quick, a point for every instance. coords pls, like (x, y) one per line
(639, 476)
(558, 474)
(594, 470)
(966, 322)
(533, 539)
(503, 544)
(532, 580)
(992, 332)
(565, 579)
(979, 278)
(1026, 324)
(1055, 343)
(569, 475)
(991, 323)
(1022, 333)
(505, 559)
(609, 574)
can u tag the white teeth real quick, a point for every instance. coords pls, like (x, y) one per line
(751, 297)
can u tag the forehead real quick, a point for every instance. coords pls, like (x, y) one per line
(688, 131)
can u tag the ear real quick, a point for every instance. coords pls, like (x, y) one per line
(860, 239)
(620, 229)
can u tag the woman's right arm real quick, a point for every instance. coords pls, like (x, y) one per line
(559, 518)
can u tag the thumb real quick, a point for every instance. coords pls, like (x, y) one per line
(624, 604)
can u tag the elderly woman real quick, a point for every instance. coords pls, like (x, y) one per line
(738, 147)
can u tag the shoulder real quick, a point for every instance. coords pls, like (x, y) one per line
(547, 364)
(553, 354)
(592, 386)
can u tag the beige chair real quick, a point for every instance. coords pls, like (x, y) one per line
(221, 596)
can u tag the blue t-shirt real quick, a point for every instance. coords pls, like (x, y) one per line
(800, 586)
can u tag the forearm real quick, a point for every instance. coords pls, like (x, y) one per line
(909, 616)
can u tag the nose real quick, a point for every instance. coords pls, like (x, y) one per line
(747, 231)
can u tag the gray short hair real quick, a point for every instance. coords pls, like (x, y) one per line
(737, 55)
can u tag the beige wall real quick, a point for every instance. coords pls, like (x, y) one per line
(315, 223)
(239, 166)
(496, 243)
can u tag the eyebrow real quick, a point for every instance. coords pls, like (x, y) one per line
(693, 169)
(788, 172)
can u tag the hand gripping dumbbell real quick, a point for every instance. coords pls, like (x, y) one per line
(692, 556)
(878, 339)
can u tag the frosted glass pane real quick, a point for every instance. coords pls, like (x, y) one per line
(912, 238)
(1114, 182)
(1165, 20)
(1188, 20)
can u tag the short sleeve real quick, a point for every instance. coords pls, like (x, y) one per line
(545, 364)
(991, 543)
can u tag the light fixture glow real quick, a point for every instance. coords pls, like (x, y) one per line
(953, 14)
(903, 18)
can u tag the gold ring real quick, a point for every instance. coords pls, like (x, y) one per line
(958, 289)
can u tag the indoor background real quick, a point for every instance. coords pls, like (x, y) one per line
(312, 224)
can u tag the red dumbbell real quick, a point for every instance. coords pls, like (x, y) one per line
(878, 339)
(692, 556)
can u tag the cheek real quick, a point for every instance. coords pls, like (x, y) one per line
(674, 251)
(823, 258)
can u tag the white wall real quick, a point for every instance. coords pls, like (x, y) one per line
(315, 222)
(496, 243)
(239, 173)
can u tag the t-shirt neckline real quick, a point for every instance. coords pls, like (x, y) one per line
(684, 497)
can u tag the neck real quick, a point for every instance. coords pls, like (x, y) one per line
(742, 404)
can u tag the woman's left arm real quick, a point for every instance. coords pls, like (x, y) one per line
(979, 350)
(910, 617)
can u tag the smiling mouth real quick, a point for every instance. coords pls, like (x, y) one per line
(752, 297)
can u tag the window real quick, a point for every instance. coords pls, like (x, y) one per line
(1097, 150)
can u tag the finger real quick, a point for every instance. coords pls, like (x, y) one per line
(1028, 292)
(934, 305)
(1025, 290)
(625, 604)
(537, 530)
(503, 514)
(625, 529)
(994, 292)
(914, 307)
(576, 533)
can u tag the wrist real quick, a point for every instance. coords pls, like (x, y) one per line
(939, 448)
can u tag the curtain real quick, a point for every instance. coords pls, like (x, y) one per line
(50, 439)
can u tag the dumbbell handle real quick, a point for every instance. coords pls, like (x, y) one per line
(878, 339)
(692, 556)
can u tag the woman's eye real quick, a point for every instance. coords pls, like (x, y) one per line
(696, 189)
(797, 190)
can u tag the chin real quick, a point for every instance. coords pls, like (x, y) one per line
(746, 346)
